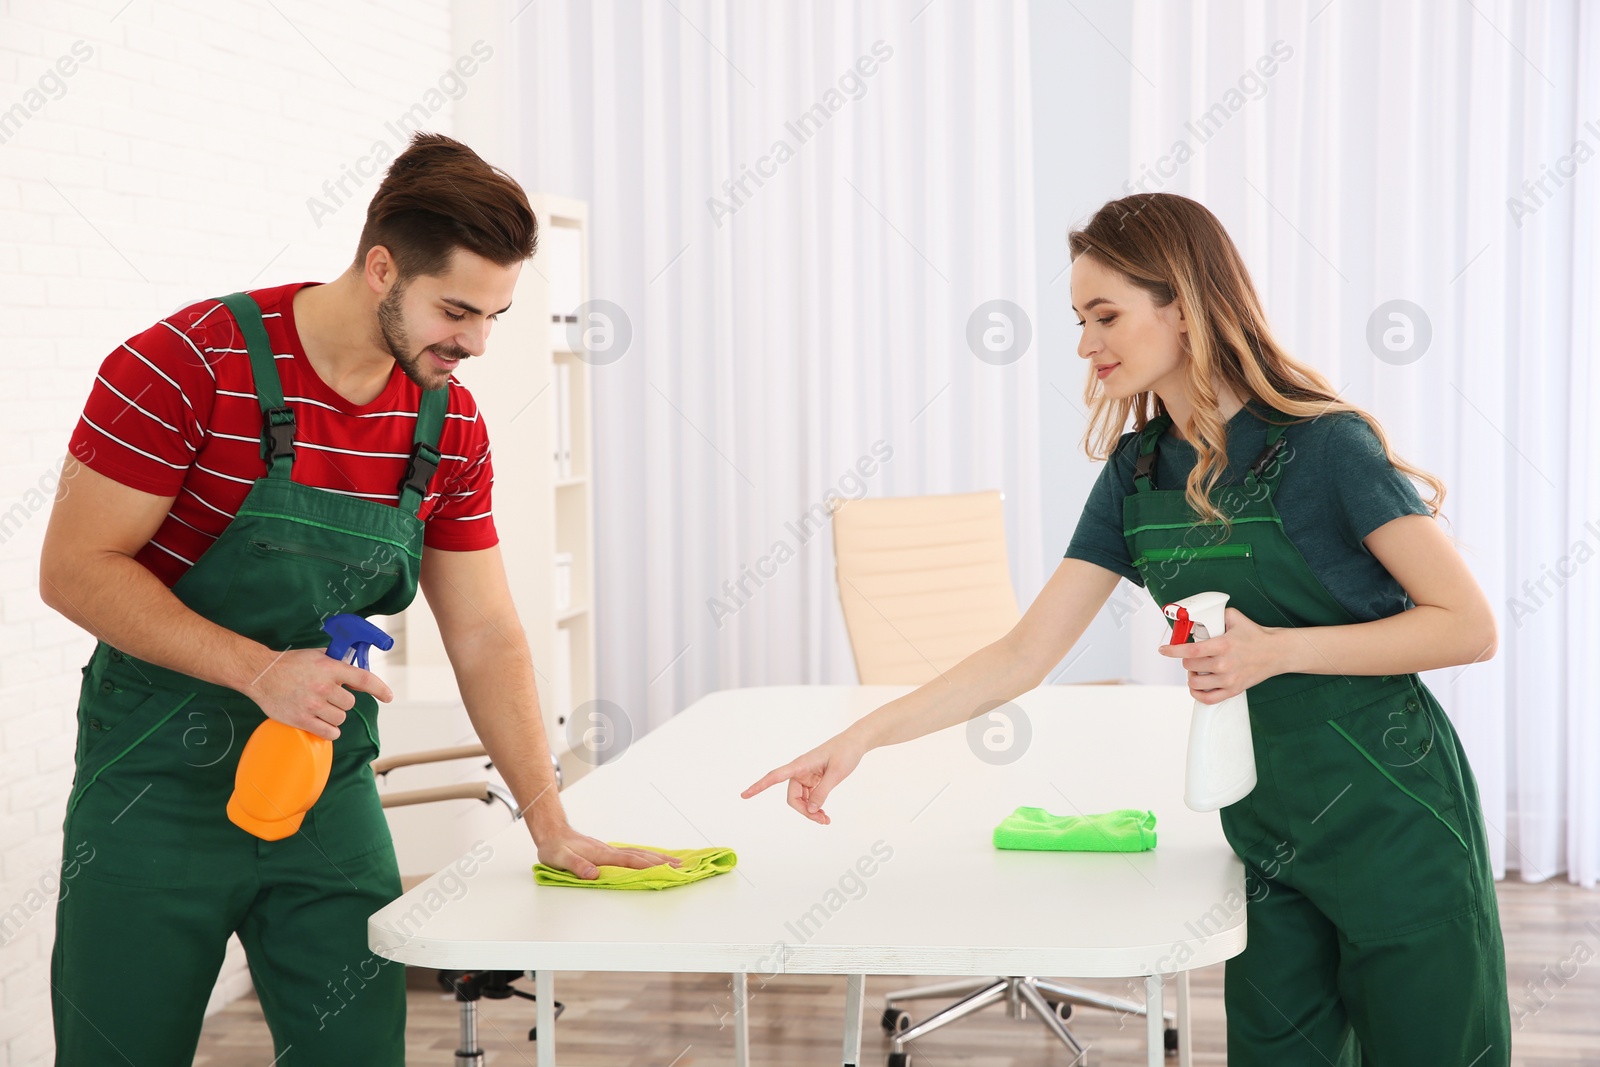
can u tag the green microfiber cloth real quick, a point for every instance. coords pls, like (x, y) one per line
(698, 863)
(1127, 830)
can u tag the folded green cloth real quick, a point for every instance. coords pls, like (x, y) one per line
(698, 863)
(1127, 830)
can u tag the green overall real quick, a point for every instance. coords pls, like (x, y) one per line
(142, 926)
(1373, 931)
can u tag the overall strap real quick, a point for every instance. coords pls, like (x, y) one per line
(1144, 468)
(277, 419)
(425, 454)
(1266, 468)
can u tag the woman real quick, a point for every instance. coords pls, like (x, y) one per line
(1373, 931)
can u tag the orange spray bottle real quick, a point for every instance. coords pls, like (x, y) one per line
(282, 770)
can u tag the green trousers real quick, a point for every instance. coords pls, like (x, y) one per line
(142, 926)
(1368, 873)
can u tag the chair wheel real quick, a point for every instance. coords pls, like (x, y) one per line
(1169, 1040)
(900, 1059)
(1062, 1009)
(895, 1021)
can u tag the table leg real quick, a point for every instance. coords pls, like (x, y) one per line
(741, 1019)
(855, 986)
(544, 1016)
(1185, 1053)
(1154, 1023)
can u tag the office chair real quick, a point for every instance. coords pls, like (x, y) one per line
(924, 582)
(468, 986)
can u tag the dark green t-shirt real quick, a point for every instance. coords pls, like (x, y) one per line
(1337, 487)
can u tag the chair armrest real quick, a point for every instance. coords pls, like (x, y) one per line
(486, 792)
(460, 791)
(385, 764)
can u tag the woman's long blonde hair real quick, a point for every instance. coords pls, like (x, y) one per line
(1175, 249)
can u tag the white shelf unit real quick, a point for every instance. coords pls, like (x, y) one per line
(536, 512)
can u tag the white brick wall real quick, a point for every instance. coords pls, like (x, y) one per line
(173, 164)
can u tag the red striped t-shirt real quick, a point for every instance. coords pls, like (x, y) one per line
(174, 412)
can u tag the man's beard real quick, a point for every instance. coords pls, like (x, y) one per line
(417, 366)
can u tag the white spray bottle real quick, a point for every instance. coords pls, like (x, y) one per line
(1222, 759)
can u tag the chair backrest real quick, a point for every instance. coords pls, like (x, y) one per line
(924, 582)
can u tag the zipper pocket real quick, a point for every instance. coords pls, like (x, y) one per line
(1157, 555)
(297, 550)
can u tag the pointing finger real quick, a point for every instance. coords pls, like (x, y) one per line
(772, 778)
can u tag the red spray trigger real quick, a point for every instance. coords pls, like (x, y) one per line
(1182, 627)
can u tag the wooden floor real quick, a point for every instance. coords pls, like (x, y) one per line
(659, 1020)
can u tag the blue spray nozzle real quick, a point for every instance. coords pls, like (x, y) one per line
(349, 633)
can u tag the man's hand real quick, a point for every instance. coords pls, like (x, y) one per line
(569, 850)
(305, 689)
(472, 603)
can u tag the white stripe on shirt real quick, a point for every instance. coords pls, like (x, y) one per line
(148, 414)
(168, 551)
(352, 451)
(197, 353)
(179, 518)
(225, 514)
(313, 403)
(218, 474)
(369, 496)
(159, 371)
(131, 448)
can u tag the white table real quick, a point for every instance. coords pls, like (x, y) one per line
(944, 902)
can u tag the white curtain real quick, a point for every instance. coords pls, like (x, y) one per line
(1447, 155)
(799, 208)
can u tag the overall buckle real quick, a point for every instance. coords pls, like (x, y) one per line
(1269, 454)
(277, 434)
(419, 469)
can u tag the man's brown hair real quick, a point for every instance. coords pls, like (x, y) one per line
(439, 195)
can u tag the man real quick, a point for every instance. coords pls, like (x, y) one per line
(244, 469)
